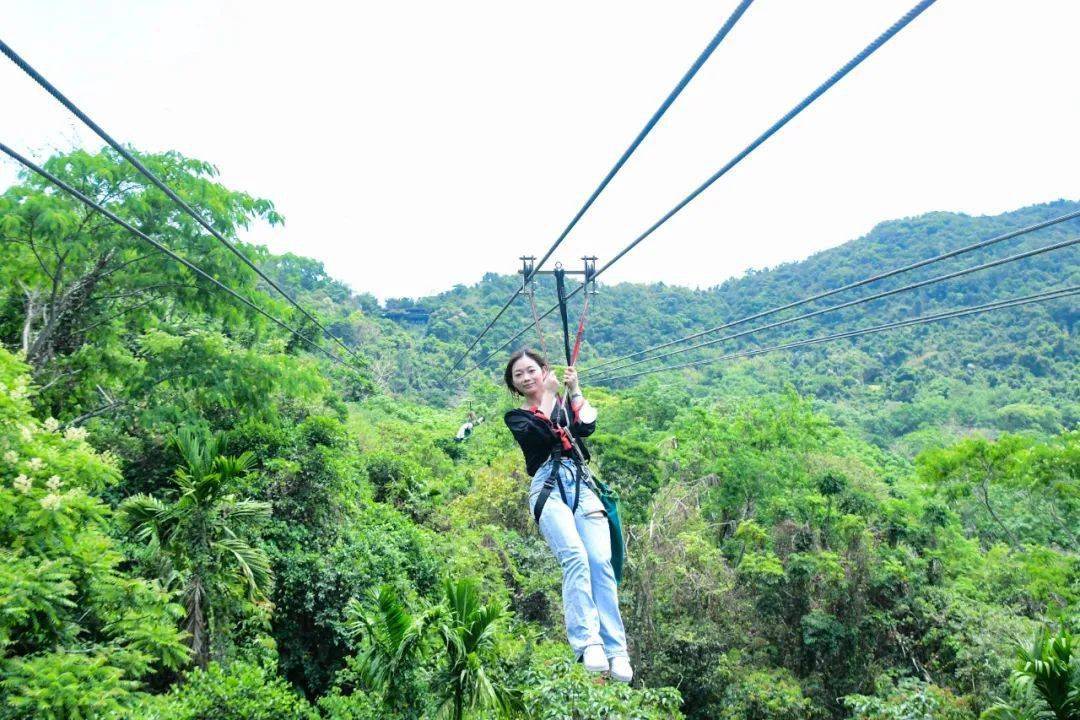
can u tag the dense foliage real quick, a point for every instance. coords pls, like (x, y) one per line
(199, 518)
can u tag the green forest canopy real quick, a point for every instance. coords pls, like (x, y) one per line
(200, 519)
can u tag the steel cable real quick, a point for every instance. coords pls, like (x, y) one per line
(52, 90)
(773, 129)
(686, 78)
(143, 236)
(996, 305)
(850, 286)
(858, 301)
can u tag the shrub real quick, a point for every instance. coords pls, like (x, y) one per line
(241, 691)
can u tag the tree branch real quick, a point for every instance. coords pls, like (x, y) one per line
(31, 310)
(33, 248)
(123, 265)
(133, 308)
(94, 413)
(984, 485)
(114, 404)
(58, 378)
(139, 291)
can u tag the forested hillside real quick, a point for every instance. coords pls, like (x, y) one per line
(1013, 370)
(200, 518)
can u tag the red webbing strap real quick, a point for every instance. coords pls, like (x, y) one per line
(536, 323)
(580, 331)
(559, 432)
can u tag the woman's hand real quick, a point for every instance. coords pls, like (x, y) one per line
(551, 382)
(571, 379)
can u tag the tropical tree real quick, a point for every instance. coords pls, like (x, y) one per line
(1046, 681)
(459, 634)
(80, 288)
(467, 629)
(393, 644)
(196, 539)
(982, 471)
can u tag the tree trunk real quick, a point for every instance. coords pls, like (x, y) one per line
(195, 624)
(459, 702)
(56, 315)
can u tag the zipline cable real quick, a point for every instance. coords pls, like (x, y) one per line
(713, 44)
(140, 234)
(850, 286)
(851, 303)
(802, 105)
(40, 80)
(997, 305)
(491, 354)
(821, 89)
(686, 78)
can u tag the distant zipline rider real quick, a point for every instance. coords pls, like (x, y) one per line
(467, 427)
(579, 522)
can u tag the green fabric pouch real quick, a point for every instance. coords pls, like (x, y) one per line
(610, 500)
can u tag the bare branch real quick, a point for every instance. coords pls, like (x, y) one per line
(94, 413)
(104, 395)
(31, 310)
(58, 378)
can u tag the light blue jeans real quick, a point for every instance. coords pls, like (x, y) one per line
(581, 542)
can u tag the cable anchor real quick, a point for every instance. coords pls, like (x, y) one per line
(528, 284)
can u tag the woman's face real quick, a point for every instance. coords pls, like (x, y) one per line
(527, 375)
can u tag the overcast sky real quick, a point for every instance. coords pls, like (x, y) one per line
(414, 146)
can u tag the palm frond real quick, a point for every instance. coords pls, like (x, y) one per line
(247, 510)
(231, 467)
(145, 516)
(195, 448)
(253, 563)
(391, 638)
(356, 623)
(1045, 682)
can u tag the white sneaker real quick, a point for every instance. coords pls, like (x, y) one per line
(621, 670)
(595, 660)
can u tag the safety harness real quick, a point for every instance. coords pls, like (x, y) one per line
(555, 477)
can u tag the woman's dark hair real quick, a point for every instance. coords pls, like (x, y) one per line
(508, 375)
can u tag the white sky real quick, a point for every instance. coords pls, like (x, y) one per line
(416, 145)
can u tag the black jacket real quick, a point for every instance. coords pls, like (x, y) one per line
(538, 440)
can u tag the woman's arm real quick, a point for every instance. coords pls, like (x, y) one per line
(584, 411)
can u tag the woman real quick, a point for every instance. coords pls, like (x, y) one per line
(572, 518)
